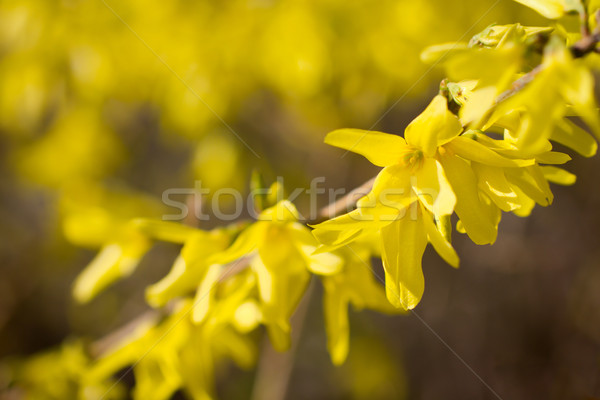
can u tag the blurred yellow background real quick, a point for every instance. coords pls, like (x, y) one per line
(105, 105)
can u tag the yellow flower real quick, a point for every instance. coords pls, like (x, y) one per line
(183, 356)
(279, 251)
(538, 112)
(518, 189)
(121, 254)
(411, 166)
(426, 177)
(191, 266)
(356, 285)
(407, 194)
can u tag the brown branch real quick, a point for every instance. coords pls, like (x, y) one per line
(195, 204)
(108, 342)
(343, 204)
(519, 84)
(583, 17)
(234, 268)
(587, 44)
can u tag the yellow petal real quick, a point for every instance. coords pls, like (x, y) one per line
(246, 243)
(282, 280)
(532, 182)
(444, 224)
(543, 105)
(241, 348)
(478, 105)
(552, 157)
(469, 207)
(301, 234)
(284, 211)
(205, 294)
(436, 53)
(382, 149)
(158, 294)
(113, 262)
(343, 229)
(559, 176)
(189, 268)
(322, 263)
(494, 183)
(404, 242)
(527, 204)
(578, 90)
(460, 227)
(572, 136)
(433, 127)
(440, 244)
(247, 316)
(335, 307)
(91, 227)
(472, 150)
(351, 220)
(551, 9)
(390, 195)
(264, 278)
(163, 230)
(432, 188)
(332, 240)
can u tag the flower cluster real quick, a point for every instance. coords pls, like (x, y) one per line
(483, 146)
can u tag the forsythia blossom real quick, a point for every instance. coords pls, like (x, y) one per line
(279, 252)
(483, 146)
(437, 169)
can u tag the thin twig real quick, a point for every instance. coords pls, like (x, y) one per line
(585, 45)
(583, 16)
(344, 204)
(519, 84)
(108, 342)
(195, 205)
